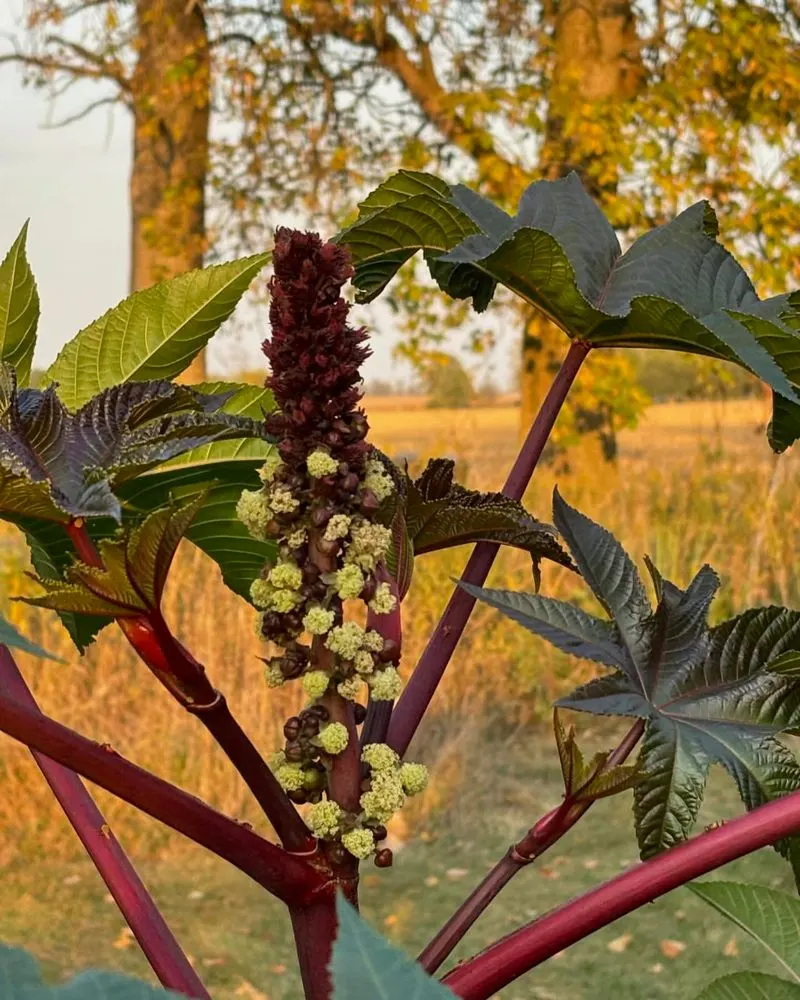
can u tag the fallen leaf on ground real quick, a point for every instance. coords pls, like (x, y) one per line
(731, 949)
(249, 992)
(431, 881)
(620, 943)
(590, 864)
(456, 873)
(658, 967)
(671, 949)
(125, 939)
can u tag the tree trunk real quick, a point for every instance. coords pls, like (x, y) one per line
(171, 105)
(596, 60)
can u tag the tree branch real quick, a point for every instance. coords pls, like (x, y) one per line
(484, 975)
(285, 875)
(162, 951)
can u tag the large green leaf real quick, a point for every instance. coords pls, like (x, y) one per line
(19, 309)
(769, 916)
(365, 966)
(153, 334)
(708, 695)
(750, 986)
(20, 979)
(215, 529)
(676, 288)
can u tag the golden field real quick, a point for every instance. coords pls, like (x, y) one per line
(695, 482)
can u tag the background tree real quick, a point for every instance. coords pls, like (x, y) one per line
(312, 100)
(447, 383)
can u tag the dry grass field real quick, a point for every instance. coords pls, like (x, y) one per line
(694, 483)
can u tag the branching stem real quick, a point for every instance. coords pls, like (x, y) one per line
(185, 678)
(489, 972)
(287, 876)
(156, 940)
(548, 830)
(421, 688)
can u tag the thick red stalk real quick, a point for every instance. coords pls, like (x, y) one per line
(314, 929)
(185, 678)
(156, 940)
(285, 875)
(484, 975)
(422, 686)
(548, 830)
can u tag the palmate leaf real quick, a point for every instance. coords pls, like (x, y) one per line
(220, 470)
(750, 986)
(153, 334)
(57, 464)
(773, 919)
(708, 695)
(676, 288)
(433, 513)
(21, 979)
(19, 309)
(364, 965)
(135, 566)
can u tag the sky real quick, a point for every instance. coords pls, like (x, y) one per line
(71, 182)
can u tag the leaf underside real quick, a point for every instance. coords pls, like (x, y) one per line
(676, 288)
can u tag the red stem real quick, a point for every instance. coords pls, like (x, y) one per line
(162, 951)
(484, 975)
(421, 688)
(315, 928)
(548, 830)
(185, 678)
(285, 875)
(379, 713)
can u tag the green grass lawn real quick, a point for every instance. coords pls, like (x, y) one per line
(238, 937)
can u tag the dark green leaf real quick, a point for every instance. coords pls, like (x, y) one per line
(676, 288)
(19, 309)
(215, 529)
(21, 980)
(709, 695)
(153, 334)
(365, 966)
(10, 636)
(563, 625)
(440, 514)
(116, 435)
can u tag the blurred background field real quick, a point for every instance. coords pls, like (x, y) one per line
(694, 482)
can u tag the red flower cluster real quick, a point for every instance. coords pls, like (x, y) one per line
(314, 354)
